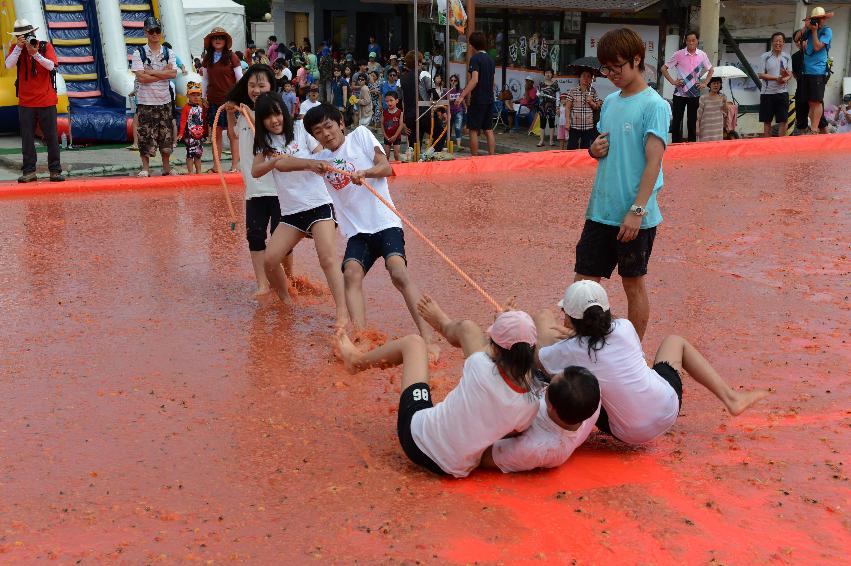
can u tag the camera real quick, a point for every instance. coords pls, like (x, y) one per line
(31, 38)
(814, 21)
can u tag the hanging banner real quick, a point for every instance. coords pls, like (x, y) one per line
(456, 13)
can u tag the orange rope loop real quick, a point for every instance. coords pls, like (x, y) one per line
(218, 163)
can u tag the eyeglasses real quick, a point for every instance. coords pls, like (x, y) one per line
(608, 70)
(155, 31)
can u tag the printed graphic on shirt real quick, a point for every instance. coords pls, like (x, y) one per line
(338, 180)
(195, 123)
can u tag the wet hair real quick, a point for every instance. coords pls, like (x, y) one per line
(574, 395)
(692, 32)
(319, 114)
(775, 34)
(392, 94)
(594, 325)
(239, 93)
(270, 104)
(517, 363)
(478, 41)
(621, 43)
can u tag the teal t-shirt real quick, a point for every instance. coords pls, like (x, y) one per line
(628, 121)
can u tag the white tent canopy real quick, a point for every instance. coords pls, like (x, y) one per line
(204, 15)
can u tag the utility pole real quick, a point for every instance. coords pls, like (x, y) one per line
(710, 11)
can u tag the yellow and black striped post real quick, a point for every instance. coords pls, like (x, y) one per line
(791, 120)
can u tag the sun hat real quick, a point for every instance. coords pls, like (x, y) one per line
(581, 295)
(216, 31)
(818, 12)
(152, 23)
(513, 327)
(22, 27)
(193, 88)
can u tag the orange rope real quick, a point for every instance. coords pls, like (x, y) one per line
(218, 163)
(408, 223)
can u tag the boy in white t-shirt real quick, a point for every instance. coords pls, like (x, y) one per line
(372, 229)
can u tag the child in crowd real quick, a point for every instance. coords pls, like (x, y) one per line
(438, 141)
(392, 124)
(363, 101)
(262, 208)
(457, 109)
(282, 146)
(193, 131)
(311, 102)
(495, 397)
(373, 230)
(639, 402)
(622, 212)
(562, 120)
(712, 113)
(289, 98)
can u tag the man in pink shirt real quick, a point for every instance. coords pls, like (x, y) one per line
(690, 64)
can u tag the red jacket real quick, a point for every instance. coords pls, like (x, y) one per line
(35, 90)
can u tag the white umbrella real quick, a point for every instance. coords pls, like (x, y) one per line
(728, 72)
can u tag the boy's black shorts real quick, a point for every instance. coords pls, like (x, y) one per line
(599, 251)
(415, 398)
(667, 372)
(366, 248)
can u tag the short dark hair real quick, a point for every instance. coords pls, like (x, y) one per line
(776, 33)
(273, 38)
(574, 395)
(319, 114)
(478, 40)
(392, 94)
(621, 43)
(692, 32)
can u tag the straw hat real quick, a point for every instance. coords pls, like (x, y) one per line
(208, 39)
(22, 27)
(818, 12)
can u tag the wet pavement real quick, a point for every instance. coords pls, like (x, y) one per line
(154, 412)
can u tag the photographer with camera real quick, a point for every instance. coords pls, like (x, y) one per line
(36, 90)
(817, 37)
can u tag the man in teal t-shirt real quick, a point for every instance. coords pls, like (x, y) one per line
(817, 37)
(622, 212)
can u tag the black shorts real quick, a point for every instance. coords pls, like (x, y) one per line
(480, 117)
(366, 248)
(774, 107)
(815, 88)
(548, 120)
(667, 372)
(260, 213)
(599, 251)
(415, 398)
(304, 220)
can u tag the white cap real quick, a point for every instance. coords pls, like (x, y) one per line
(581, 295)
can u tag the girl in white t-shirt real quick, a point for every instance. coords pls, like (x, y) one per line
(262, 210)
(282, 146)
(496, 395)
(639, 403)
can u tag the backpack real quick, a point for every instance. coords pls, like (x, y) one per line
(164, 54)
(42, 49)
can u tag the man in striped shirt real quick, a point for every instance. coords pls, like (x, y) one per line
(154, 97)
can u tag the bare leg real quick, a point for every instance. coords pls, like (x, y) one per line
(396, 148)
(464, 334)
(283, 240)
(258, 261)
(766, 129)
(474, 142)
(491, 141)
(410, 352)
(816, 111)
(678, 352)
(234, 142)
(166, 163)
(781, 127)
(218, 153)
(323, 238)
(638, 303)
(146, 163)
(353, 275)
(288, 265)
(411, 293)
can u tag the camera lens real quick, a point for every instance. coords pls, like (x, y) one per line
(34, 42)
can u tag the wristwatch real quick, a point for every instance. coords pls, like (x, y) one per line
(638, 210)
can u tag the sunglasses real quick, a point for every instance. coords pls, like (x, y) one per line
(155, 31)
(219, 38)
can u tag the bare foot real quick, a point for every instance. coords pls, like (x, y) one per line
(342, 320)
(262, 290)
(285, 296)
(433, 353)
(346, 350)
(431, 312)
(743, 399)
